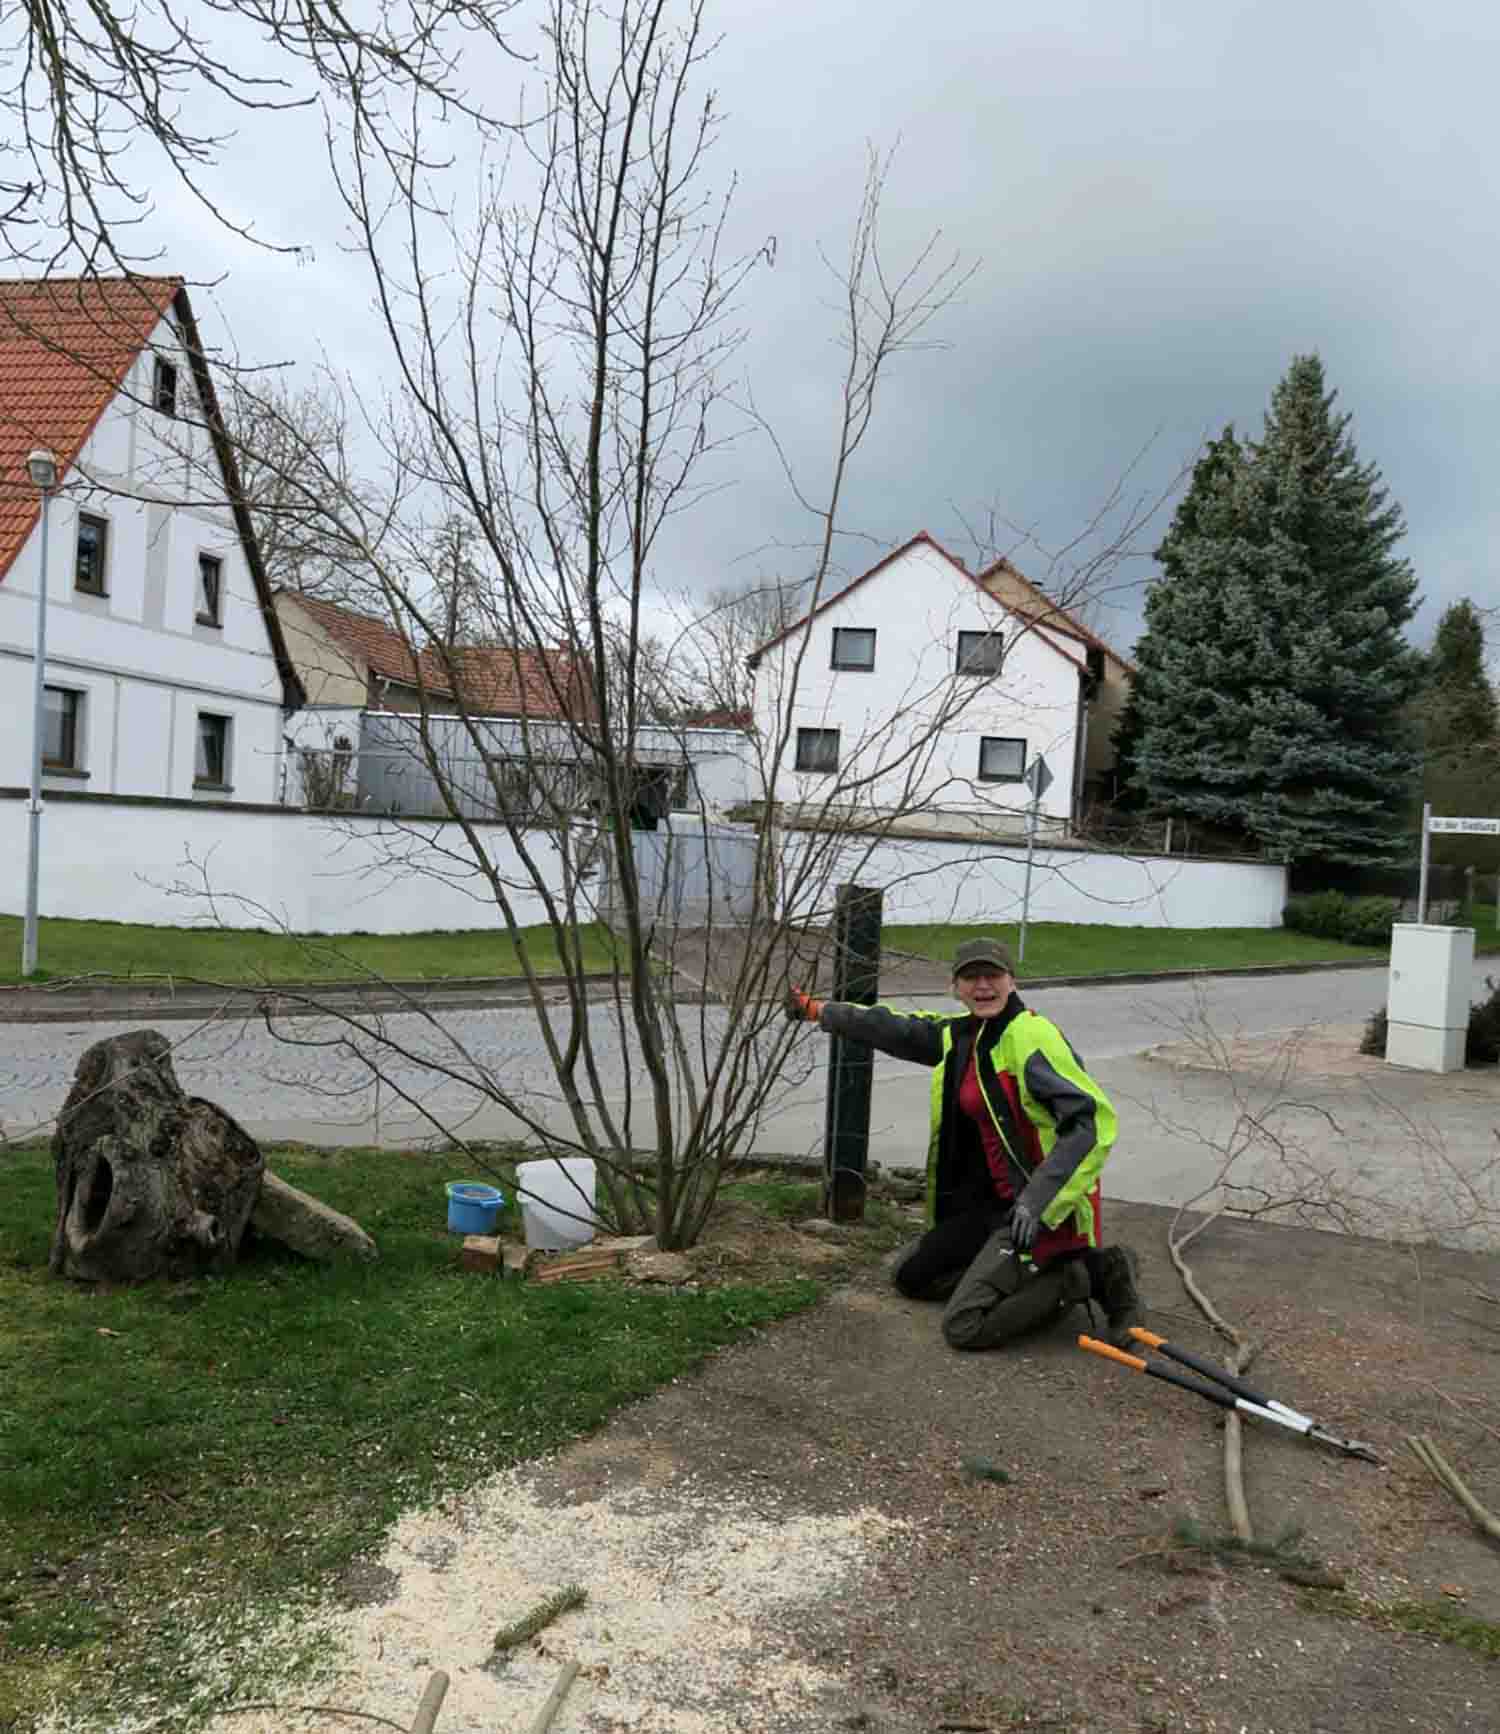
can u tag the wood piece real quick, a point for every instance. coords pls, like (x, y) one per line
(1443, 1472)
(554, 1699)
(585, 1265)
(432, 1702)
(151, 1182)
(541, 1616)
(481, 1252)
(514, 1260)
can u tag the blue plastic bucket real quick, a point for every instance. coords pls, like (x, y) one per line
(472, 1207)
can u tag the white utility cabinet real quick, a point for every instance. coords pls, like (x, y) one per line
(1427, 1004)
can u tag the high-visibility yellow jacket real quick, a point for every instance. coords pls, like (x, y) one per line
(1055, 1125)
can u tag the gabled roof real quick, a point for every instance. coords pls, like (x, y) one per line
(1038, 607)
(922, 537)
(492, 680)
(66, 346)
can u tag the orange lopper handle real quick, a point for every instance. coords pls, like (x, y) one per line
(1110, 1353)
(1149, 1338)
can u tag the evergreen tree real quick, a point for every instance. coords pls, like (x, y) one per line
(1458, 703)
(1278, 674)
(1172, 613)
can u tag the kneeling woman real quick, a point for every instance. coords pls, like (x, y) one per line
(1019, 1133)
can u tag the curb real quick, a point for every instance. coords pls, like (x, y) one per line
(117, 1004)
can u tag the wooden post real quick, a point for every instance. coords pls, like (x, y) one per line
(851, 1065)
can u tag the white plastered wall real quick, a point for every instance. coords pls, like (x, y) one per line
(910, 729)
(143, 663)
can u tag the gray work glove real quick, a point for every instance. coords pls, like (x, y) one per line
(1024, 1226)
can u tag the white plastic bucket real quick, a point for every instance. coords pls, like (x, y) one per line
(557, 1201)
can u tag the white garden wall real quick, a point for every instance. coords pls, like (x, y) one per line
(928, 882)
(122, 861)
(149, 862)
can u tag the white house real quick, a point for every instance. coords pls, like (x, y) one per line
(918, 696)
(167, 673)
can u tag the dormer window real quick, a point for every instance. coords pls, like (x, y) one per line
(980, 653)
(164, 388)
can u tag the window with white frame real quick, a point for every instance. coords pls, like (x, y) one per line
(854, 648)
(62, 729)
(818, 750)
(90, 556)
(164, 388)
(1002, 759)
(211, 761)
(210, 590)
(980, 653)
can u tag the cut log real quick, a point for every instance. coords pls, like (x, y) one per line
(284, 1212)
(151, 1182)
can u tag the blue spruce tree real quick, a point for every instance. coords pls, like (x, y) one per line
(1279, 679)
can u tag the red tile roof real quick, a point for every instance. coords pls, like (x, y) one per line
(1043, 611)
(494, 681)
(66, 345)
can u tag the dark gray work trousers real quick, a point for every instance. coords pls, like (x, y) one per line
(993, 1297)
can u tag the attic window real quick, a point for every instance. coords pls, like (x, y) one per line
(164, 388)
(980, 653)
(854, 648)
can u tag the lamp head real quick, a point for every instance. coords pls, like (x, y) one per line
(41, 465)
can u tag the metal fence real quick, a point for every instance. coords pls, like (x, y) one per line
(689, 874)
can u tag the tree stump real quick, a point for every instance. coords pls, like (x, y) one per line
(151, 1182)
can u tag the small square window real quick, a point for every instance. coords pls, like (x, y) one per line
(61, 713)
(90, 559)
(818, 750)
(1001, 760)
(980, 652)
(210, 589)
(164, 388)
(211, 764)
(854, 648)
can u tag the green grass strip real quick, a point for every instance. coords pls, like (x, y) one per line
(117, 949)
(1425, 1619)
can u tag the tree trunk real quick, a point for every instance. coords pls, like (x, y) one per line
(150, 1182)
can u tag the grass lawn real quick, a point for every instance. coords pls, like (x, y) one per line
(77, 948)
(1059, 948)
(115, 948)
(200, 1451)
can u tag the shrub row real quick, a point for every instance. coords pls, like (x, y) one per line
(1481, 1045)
(1332, 915)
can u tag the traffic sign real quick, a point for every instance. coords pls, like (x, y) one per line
(1038, 777)
(1467, 827)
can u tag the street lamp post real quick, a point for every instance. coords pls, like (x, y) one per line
(42, 467)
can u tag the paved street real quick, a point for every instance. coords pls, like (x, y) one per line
(311, 1084)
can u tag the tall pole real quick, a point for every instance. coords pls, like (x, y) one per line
(38, 726)
(1422, 876)
(851, 1065)
(1031, 818)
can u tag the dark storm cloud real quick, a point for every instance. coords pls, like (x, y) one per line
(1167, 201)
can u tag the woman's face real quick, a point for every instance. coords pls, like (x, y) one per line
(984, 989)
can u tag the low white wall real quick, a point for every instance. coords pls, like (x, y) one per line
(124, 861)
(930, 881)
(118, 861)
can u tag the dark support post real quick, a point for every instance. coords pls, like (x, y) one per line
(851, 1065)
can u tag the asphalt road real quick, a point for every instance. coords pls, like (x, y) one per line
(312, 1083)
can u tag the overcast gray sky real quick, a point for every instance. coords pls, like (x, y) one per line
(1166, 200)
